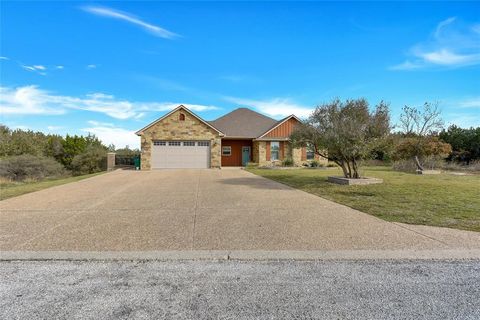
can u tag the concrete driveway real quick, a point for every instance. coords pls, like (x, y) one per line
(227, 209)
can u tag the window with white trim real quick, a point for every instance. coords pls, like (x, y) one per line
(159, 143)
(174, 143)
(274, 150)
(203, 143)
(310, 152)
(227, 151)
(189, 143)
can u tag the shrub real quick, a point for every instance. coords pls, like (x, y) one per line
(404, 165)
(474, 166)
(314, 164)
(287, 162)
(91, 161)
(22, 167)
(251, 165)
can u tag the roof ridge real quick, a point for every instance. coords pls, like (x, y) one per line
(244, 108)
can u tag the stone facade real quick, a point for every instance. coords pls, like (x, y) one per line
(297, 156)
(260, 155)
(172, 128)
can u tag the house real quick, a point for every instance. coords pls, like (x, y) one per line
(181, 139)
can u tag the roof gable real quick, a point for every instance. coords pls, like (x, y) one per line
(180, 107)
(243, 123)
(282, 128)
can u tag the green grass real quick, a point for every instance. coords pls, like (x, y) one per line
(13, 189)
(437, 200)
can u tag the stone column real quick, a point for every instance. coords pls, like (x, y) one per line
(110, 161)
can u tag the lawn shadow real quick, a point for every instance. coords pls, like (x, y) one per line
(356, 193)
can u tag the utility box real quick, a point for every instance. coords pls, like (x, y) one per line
(136, 162)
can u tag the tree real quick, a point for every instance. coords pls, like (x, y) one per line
(92, 160)
(412, 147)
(344, 132)
(465, 143)
(419, 126)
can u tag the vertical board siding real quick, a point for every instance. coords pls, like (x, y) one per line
(267, 147)
(235, 159)
(282, 150)
(284, 130)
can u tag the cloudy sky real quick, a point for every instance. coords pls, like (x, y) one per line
(111, 68)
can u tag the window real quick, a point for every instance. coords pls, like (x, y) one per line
(189, 143)
(174, 143)
(274, 150)
(181, 117)
(310, 152)
(226, 151)
(203, 143)
(159, 143)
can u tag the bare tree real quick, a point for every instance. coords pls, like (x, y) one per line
(418, 125)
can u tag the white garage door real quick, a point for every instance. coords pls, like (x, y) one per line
(180, 154)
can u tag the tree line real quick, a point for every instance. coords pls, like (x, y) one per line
(29, 154)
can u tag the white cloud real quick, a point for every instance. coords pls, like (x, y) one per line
(463, 120)
(35, 68)
(20, 127)
(446, 57)
(110, 134)
(40, 67)
(28, 100)
(115, 14)
(91, 66)
(442, 25)
(452, 44)
(276, 107)
(54, 128)
(4, 58)
(31, 100)
(59, 67)
(407, 65)
(167, 106)
(28, 68)
(470, 103)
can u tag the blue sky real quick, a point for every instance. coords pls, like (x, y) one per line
(110, 68)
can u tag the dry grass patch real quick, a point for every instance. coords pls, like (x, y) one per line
(9, 189)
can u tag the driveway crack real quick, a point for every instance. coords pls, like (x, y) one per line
(419, 233)
(195, 211)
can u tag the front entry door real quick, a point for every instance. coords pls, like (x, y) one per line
(245, 155)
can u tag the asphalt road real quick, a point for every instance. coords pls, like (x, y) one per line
(240, 289)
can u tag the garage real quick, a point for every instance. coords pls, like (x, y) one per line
(180, 154)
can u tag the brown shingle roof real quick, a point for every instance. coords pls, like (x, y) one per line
(243, 122)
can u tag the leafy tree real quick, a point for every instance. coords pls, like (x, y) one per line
(419, 128)
(77, 145)
(344, 132)
(411, 147)
(465, 143)
(64, 150)
(92, 160)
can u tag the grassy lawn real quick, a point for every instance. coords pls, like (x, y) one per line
(13, 189)
(438, 200)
